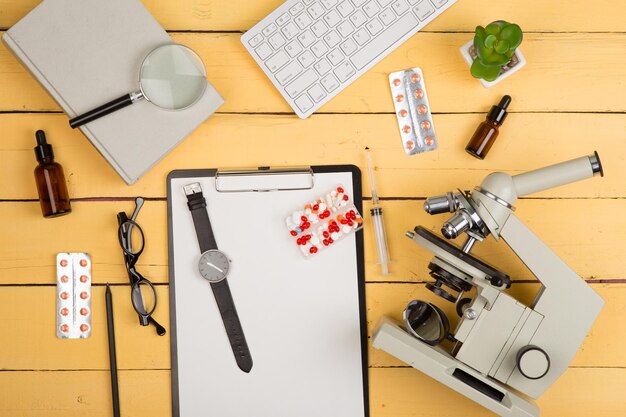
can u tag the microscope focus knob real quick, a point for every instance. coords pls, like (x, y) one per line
(533, 362)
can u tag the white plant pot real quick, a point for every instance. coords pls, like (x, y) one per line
(521, 61)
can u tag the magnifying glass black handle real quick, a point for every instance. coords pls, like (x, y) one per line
(98, 112)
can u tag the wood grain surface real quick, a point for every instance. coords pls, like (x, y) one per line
(567, 102)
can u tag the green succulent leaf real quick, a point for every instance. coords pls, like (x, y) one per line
(490, 41)
(495, 59)
(512, 33)
(494, 28)
(480, 32)
(488, 73)
(502, 46)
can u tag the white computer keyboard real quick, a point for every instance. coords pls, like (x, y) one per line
(312, 49)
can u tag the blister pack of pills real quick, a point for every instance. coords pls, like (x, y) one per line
(413, 111)
(324, 221)
(73, 295)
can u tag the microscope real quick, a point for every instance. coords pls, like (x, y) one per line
(502, 350)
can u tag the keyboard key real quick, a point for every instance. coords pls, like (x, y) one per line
(303, 20)
(358, 18)
(317, 93)
(361, 36)
(439, 3)
(297, 8)
(400, 6)
(423, 10)
(276, 40)
(358, 3)
(332, 18)
(414, 2)
(335, 56)
(345, 8)
(289, 72)
(345, 28)
(306, 59)
(384, 41)
(290, 30)
(329, 3)
(332, 39)
(319, 28)
(306, 38)
(348, 47)
(269, 29)
(330, 83)
(387, 16)
(277, 61)
(384, 3)
(255, 40)
(304, 103)
(319, 49)
(301, 83)
(293, 48)
(264, 51)
(344, 71)
(308, 2)
(316, 11)
(374, 26)
(322, 66)
(371, 8)
(283, 18)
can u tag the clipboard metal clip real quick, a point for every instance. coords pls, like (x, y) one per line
(264, 179)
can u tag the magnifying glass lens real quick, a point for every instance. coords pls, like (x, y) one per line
(172, 77)
(424, 321)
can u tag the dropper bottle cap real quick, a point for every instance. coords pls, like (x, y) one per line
(43, 150)
(498, 113)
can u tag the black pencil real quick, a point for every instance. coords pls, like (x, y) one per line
(112, 356)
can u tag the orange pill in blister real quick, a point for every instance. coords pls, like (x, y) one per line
(64, 295)
(406, 129)
(84, 311)
(403, 113)
(419, 93)
(83, 278)
(83, 262)
(84, 327)
(64, 328)
(64, 311)
(84, 295)
(425, 125)
(429, 141)
(64, 278)
(422, 109)
(400, 98)
(63, 262)
(415, 78)
(397, 82)
(410, 145)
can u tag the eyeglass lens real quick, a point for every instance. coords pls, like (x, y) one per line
(143, 296)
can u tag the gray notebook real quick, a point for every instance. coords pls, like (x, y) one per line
(88, 52)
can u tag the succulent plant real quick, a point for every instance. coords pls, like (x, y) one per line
(495, 46)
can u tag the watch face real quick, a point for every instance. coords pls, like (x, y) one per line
(214, 265)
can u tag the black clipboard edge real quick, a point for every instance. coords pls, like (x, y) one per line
(360, 257)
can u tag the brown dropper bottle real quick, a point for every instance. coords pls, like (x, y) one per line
(51, 186)
(487, 132)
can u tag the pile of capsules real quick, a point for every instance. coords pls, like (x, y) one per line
(73, 295)
(413, 111)
(324, 221)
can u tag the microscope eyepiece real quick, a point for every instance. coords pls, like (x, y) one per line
(596, 165)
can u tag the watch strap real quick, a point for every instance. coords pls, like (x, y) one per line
(197, 205)
(237, 340)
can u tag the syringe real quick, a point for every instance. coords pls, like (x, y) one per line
(377, 219)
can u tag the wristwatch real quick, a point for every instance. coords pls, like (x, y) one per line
(214, 266)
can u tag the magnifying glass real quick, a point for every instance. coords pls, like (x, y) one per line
(171, 77)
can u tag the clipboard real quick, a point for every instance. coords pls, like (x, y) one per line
(304, 319)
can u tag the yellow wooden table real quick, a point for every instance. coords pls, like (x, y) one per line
(567, 101)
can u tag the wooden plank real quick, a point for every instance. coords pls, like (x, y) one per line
(33, 344)
(565, 72)
(527, 141)
(393, 393)
(532, 15)
(592, 246)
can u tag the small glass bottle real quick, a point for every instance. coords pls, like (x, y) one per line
(487, 132)
(51, 186)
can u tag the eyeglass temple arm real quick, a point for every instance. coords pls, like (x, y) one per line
(159, 329)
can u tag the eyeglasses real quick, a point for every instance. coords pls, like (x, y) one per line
(143, 293)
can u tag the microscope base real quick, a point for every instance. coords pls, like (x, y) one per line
(441, 366)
